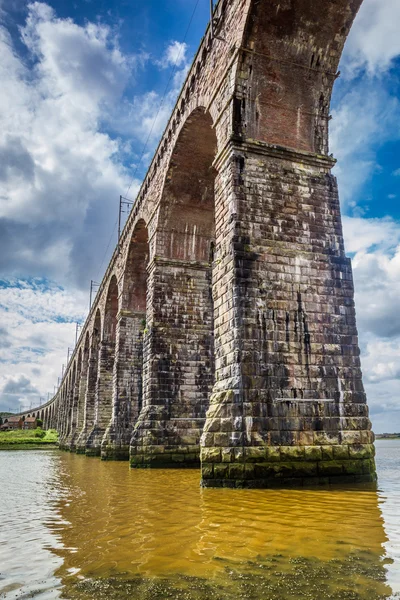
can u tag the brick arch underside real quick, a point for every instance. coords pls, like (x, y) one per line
(104, 391)
(289, 66)
(92, 384)
(182, 302)
(132, 328)
(128, 367)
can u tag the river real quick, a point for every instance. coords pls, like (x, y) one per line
(77, 528)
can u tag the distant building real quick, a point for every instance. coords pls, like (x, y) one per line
(14, 422)
(30, 423)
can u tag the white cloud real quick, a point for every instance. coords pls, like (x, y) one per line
(38, 325)
(174, 55)
(374, 40)
(60, 174)
(375, 244)
(365, 117)
(362, 234)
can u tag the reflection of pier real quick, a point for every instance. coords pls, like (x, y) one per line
(126, 524)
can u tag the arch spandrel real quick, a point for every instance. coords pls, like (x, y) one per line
(290, 52)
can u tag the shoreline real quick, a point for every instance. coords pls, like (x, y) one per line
(28, 446)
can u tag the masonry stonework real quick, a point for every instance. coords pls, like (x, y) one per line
(224, 333)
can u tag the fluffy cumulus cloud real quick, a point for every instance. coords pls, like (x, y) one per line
(375, 247)
(366, 113)
(146, 116)
(70, 126)
(38, 325)
(175, 54)
(374, 41)
(60, 175)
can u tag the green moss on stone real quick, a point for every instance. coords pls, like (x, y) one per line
(368, 465)
(332, 467)
(256, 454)
(211, 455)
(352, 467)
(341, 452)
(362, 451)
(236, 471)
(273, 454)
(327, 452)
(290, 453)
(221, 471)
(207, 471)
(312, 453)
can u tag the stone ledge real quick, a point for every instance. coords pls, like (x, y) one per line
(274, 151)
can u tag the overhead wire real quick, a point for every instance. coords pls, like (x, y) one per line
(172, 75)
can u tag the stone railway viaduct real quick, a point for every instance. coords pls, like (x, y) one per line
(224, 332)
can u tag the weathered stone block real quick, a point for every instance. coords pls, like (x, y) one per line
(362, 451)
(211, 455)
(291, 453)
(221, 471)
(207, 471)
(236, 471)
(340, 452)
(332, 467)
(273, 453)
(256, 454)
(312, 453)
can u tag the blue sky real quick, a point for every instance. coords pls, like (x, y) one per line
(81, 85)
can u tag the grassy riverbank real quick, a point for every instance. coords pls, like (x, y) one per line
(25, 439)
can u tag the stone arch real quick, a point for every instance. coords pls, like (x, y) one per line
(104, 393)
(92, 383)
(128, 369)
(187, 213)
(135, 272)
(83, 386)
(110, 312)
(78, 411)
(66, 407)
(179, 346)
(73, 401)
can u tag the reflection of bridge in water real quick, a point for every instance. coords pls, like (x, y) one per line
(225, 320)
(139, 525)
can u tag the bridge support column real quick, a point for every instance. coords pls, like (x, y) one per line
(103, 402)
(178, 365)
(66, 418)
(82, 388)
(288, 406)
(89, 402)
(70, 442)
(127, 388)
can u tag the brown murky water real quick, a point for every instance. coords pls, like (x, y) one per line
(78, 528)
